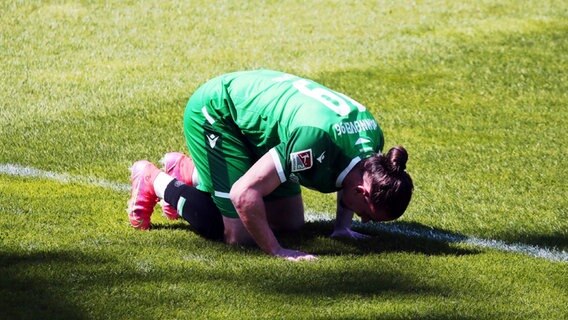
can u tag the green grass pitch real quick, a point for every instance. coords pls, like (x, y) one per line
(477, 91)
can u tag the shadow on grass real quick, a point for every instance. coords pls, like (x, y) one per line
(28, 292)
(77, 285)
(557, 240)
(360, 279)
(181, 225)
(314, 237)
(72, 285)
(354, 276)
(380, 241)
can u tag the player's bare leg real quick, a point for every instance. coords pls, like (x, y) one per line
(236, 233)
(286, 214)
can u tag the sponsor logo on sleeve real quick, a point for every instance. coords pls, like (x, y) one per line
(301, 160)
(321, 157)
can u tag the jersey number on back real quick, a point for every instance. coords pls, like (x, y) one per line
(337, 102)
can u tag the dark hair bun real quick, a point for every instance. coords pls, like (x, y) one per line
(396, 159)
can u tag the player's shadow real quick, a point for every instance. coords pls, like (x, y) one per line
(178, 225)
(556, 240)
(413, 237)
(388, 237)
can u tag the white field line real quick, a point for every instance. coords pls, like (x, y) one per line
(392, 228)
(17, 170)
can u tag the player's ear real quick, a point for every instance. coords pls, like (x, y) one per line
(360, 190)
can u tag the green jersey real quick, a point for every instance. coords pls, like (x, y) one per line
(314, 134)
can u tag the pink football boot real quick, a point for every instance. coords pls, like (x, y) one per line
(181, 167)
(143, 197)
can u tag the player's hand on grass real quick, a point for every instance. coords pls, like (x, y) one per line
(347, 233)
(294, 255)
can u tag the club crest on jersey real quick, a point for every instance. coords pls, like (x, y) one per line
(301, 160)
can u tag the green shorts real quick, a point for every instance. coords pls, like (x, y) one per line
(218, 148)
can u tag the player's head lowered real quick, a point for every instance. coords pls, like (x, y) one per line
(391, 186)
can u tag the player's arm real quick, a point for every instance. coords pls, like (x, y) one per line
(343, 221)
(247, 197)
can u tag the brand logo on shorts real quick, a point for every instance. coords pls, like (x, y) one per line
(212, 140)
(301, 160)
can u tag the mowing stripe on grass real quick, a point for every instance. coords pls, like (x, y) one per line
(392, 228)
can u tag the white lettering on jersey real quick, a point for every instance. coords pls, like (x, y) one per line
(355, 126)
(362, 141)
(335, 101)
(284, 77)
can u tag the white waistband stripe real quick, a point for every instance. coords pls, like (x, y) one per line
(207, 116)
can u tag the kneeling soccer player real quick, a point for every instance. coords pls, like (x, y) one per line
(255, 137)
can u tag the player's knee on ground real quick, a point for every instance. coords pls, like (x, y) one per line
(236, 233)
(285, 214)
